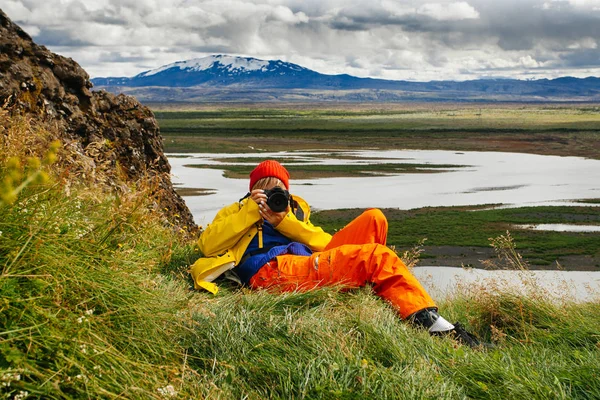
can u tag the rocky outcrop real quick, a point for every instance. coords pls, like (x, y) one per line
(116, 133)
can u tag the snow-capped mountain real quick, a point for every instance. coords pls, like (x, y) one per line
(225, 64)
(230, 78)
(217, 70)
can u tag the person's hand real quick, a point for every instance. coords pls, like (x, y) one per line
(272, 217)
(259, 196)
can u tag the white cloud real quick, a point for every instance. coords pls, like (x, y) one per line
(393, 39)
(16, 10)
(449, 12)
(580, 4)
(583, 43)
(528, 62)
(284, 14)
(585, 3)
(32, 30)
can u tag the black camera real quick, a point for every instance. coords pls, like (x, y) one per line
(277, 199)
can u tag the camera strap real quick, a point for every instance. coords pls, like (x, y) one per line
(245, 197)
(259, 226)
(296, 209)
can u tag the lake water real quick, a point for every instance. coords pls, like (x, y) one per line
(561, 227)
(444, 282)
(510, 179)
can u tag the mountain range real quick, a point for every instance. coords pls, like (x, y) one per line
(230, 78)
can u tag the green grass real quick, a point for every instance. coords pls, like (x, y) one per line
(472, 226)
(95, 303)
(538, 129)
(333, 344)
(452, 117)
(86, 311)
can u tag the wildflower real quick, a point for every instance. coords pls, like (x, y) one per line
(81, 319)
(21, 395)
(7, 378)
(364, 363)
(42, 177)
(33, 163)
(167, 391)
(51, 154)
(90, 312)
(83, 348)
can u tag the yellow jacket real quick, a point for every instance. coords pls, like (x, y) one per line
(225, 240)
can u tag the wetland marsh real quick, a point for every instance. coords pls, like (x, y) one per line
(345, 160)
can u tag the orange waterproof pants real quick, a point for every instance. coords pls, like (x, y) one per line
(356, 255)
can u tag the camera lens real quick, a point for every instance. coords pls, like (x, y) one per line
(278, 200)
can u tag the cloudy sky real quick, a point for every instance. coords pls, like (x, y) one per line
(391, 39)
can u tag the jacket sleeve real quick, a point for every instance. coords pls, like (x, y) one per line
(304, 232)
(228, 227)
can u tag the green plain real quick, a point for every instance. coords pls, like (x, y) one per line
(541, 129)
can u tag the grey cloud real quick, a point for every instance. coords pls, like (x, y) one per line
(108, 17)
(522, 25)
(513, 25)
(345, 24)
(409, 19)
(581, 58)
(119, 57)
(59, 37)
(353, 20)
(209, 49)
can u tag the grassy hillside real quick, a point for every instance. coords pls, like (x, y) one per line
(95, 303)
(86, 311)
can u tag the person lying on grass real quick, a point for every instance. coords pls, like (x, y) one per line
(268, 240)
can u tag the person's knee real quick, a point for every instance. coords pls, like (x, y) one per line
(378, 251)
(376, 215)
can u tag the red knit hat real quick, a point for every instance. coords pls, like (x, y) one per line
(270, 168)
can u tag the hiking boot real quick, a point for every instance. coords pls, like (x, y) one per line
(429, 319)
(436, 325)
(461, 335)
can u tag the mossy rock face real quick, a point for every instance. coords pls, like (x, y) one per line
(55, 91)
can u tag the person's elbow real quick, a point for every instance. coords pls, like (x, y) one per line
(207, 247)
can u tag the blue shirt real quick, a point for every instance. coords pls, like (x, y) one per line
(274, 244)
